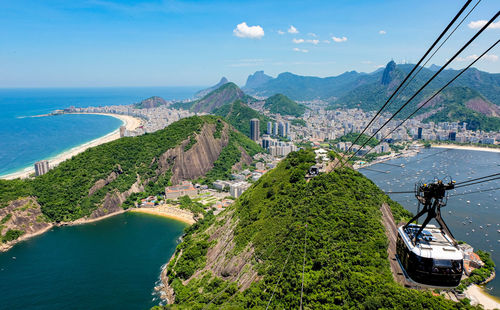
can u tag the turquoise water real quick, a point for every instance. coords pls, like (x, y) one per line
(25, 140)
(110, 264)
(482, 209)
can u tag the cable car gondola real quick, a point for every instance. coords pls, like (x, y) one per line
(429, 255)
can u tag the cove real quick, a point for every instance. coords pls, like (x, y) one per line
(109, 264)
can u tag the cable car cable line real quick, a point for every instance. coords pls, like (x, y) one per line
(430, 80)
(411, 72)
(303, 268)
(474, 192)
(472, 180)
(427, 101)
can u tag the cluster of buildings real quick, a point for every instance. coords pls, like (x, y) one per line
(275, 146)
(471, 260)
(153, 118)
(452, 131)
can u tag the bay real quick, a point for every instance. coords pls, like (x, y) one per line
(110, 264)
(25, 140)
(473, 217)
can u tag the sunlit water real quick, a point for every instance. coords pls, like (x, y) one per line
(473, 218)
(110, 264)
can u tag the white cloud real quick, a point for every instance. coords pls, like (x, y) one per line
(382, 32)
(326, 41)
(244, 31)
(297, 41)
(338, 40)
(300, 50)
(480, 23)
(487, 57)
(292, 30)
(314, 41)
(281, 32)
(312, 34)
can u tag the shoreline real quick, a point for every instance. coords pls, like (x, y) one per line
(168, 212)
(478, 295)
(465, 147)
(130, 122)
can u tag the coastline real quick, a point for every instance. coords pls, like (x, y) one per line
(477, 295)
(169, 212)
(131, 123)
(465, 147)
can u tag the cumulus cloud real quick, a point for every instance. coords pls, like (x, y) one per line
(292, 30)
(338, 40)
(312, 34)
(281, 32)
(382, 32)
(297, 41)
(314, 41)
(480, 23)
(244, 31)
(296, 49)
(487, 57)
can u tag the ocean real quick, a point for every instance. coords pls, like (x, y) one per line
(25, 140)
(473, 217)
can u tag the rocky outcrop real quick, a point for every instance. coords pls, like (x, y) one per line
(484, 107)
(103, 182)
(205, 91)
(199, 159)
(244, 160)
(25, 215)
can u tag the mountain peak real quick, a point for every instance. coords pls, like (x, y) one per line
(205, 91)
(257, 79)
(386, 76)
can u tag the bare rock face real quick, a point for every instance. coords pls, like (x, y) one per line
(103, 182)
(199, 159)
(22, 214)
(245, 159)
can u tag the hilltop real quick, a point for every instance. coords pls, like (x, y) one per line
(239, 115)
(205, 91)
(151, 102)
(107, 178)
(225, 94)
(281, 104)
(252, 255)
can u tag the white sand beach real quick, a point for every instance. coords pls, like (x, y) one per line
(466, 147)
(131, 123)
(169, 211)
(478, 296)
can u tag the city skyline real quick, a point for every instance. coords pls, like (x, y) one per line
(184, 43)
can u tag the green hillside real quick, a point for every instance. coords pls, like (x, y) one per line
(239, 115)
(334, 219)
(225, 94)
(458, 113)
(281, 104)
(64, 193)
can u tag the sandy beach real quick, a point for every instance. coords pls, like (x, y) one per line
(478, 296)
(131, 123)
(466, 147)
(170, 212)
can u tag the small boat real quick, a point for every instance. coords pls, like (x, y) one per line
(468, 201)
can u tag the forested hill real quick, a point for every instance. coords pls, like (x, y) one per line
(225, 94)
(251, 256)
(239, 115)
(102, 179)
(281, 104)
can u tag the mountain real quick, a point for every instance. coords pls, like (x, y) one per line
(281, 104)
(326, 230)
(225, 94)
(257, 79)
(239, 115)
(310, 88)
(462, 104)
(205, 91)
(478, 86)
(109, 177)
(149, 103)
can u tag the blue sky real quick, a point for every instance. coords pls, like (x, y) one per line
(80, 43)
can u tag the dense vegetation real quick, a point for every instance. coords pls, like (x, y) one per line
(479, 275)
(335, 217)
(281, 104)
(239, 115)
(351, 137)
(226, 94)
(64, 192)
(298, 122)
